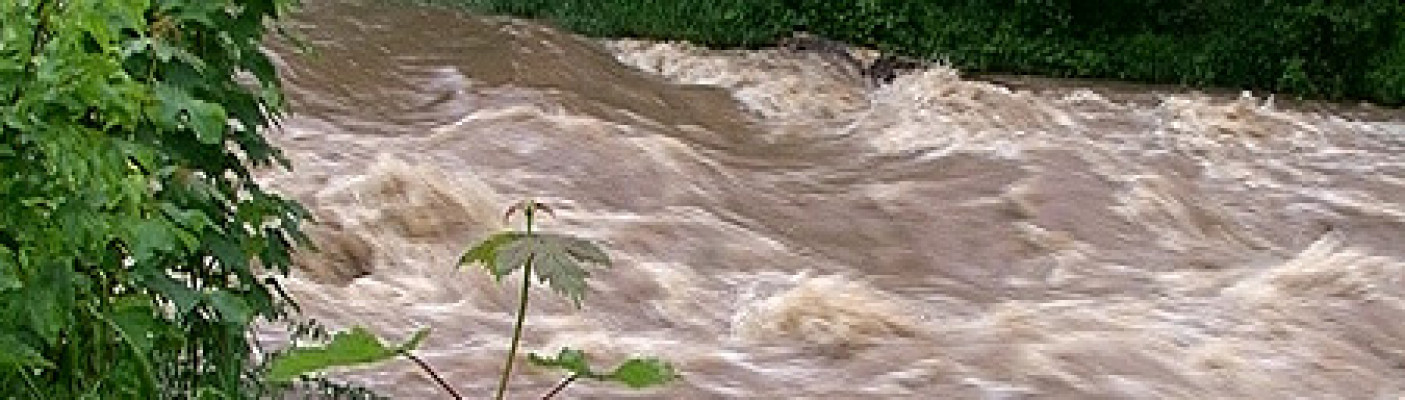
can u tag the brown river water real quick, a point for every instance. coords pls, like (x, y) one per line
(783, 229)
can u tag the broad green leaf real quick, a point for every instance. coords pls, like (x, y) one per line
(136, 325)
(190, 219)
(51, 299)
(228, 253)
(149, 236)
(635, 372)
(558, 262)
(556, 259)
(643, 372)
(170, 101)
(514, 255)
(181, 296)
(165, 52)
(209, 121)
(355, 347)
(585, 251)
(15, 353)
(231, 308)
(486, 252)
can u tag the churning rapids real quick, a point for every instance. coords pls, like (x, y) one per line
(783, 230)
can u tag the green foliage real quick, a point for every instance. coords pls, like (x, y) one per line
(486, 253)
(1314, 48)
(738, 22)
(16, 354)
(355, 347)
(135, 246)
(1388, 77)
(559, 259)
(635, 372)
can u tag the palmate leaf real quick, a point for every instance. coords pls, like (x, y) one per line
(556, 259)
(354, 347)
(486, 252)
(635, 372)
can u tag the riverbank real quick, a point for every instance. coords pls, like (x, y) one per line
(1337, 52)
(1150, 94)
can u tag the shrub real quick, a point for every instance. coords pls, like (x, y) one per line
(134, 242)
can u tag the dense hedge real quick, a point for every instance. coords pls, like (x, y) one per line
(1317, 48)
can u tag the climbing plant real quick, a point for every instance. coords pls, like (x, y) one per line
(136, 248)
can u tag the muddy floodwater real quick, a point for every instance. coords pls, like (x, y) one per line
(785, 229)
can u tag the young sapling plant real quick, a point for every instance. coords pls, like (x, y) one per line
(557, 260)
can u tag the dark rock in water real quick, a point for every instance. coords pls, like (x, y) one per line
(802, 41)
(838, 53)
(882, 70)
(887, 68)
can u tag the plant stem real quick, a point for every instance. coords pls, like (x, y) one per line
(428, 370)
(516, 330)
(521, 311)
(560, 386)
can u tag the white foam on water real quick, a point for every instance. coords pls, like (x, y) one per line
(784, 229)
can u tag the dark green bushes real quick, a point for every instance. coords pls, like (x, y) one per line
(1324, 49)
(721, 22)
(136, 247)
